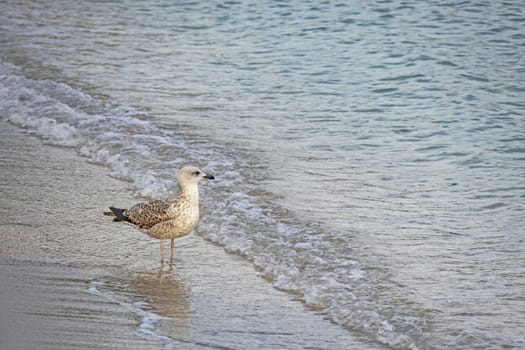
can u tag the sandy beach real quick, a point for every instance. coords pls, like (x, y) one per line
(73, 279)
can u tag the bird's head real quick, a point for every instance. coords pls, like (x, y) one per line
(192, 175)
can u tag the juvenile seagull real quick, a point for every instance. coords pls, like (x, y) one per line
(171, 218)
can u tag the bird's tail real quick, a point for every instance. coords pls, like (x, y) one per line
(118, 214)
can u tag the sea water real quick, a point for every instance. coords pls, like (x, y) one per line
(370, 155)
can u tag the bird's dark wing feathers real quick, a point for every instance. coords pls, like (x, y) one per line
(146, 215)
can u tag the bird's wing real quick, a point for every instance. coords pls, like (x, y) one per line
(146, 215)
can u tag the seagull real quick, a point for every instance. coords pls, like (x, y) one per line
(171, 218)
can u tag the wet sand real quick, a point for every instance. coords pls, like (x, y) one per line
(51, 246)
(73, 279)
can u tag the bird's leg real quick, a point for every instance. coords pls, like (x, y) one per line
(162, 250)
(172, 245)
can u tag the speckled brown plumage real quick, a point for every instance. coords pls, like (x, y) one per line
(147, 215)
(168, 219)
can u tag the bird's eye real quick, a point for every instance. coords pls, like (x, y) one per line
(196, 173)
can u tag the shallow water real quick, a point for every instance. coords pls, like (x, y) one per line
(370, 156)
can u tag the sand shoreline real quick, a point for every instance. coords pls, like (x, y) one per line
(43, 265)
(73, 279)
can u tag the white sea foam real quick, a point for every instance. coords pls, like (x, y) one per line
(50, 130)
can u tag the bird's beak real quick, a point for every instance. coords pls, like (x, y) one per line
(209, 177)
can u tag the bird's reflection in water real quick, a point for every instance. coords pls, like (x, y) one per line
(166, 295)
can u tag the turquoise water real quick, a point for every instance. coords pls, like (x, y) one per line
(370, 156)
